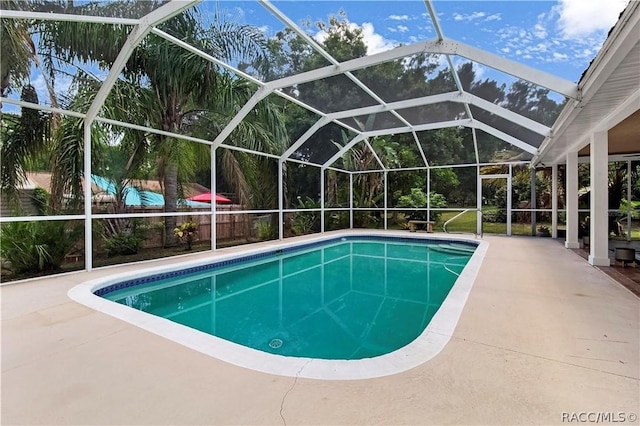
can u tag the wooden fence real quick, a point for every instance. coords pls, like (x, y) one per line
(229, 227)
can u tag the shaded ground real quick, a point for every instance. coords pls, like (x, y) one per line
(628, 276)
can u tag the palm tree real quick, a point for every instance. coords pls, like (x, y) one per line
(169, 88)
(17, 50)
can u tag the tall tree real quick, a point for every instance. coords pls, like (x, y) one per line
(170, 88)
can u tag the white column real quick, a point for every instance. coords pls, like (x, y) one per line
(214, 191)
(571, 200)
(554, 201)
(322, 200)
(428, 194)
(628, 229)
(386, 178)
(509, 199)
(280, 199)
(478, 201)
(599, 215)
(88, 225)
(350, 200)
(534, 201)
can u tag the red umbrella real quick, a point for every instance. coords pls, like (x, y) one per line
(206, 198)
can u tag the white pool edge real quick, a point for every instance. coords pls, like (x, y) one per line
(429, 344)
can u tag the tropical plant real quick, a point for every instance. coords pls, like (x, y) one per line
(265, 230)
(306, 222)
(41, 200)
(417, 199)
(123, 244)
(544, 231)
(17, 50)
(187, 232)
(38, 246)
(166, 87)
(22, 139)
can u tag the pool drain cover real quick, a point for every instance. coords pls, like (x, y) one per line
(275, 343)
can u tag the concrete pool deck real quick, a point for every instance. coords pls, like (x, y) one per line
(543, 336)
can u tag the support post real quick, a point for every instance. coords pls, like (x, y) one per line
(350, 200)
(533, 202)
(214, 191)
(280, 199)
(554, 201)
(571, 195)
(599, 211)
(628, 230)
(428, 194)
(88, 233)
(386, 176)
(479, 201)
(322, 199)
(509, 199)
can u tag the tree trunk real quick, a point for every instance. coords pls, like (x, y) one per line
(170, 203)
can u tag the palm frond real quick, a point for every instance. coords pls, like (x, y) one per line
(235, 175)
(16, 51)
(22, 139)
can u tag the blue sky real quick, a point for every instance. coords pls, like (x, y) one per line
(560, 37)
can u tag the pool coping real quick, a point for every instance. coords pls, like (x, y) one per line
(426, 346)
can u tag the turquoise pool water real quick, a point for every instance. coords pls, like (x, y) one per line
(345, 299)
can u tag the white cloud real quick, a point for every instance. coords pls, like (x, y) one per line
(482, 16)
(375, 42)
(540, 47)
(568, 33)
(62, 85)
(479, 70)
(584, 17)
(239, 12)
(559, 56)
(539, 30)
(399, 17)
(471, 17)
(403, 28)
(320, 36)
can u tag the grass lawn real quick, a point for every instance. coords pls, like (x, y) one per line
(467, 223)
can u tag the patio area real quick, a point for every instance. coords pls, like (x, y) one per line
(627, 274)
(543, 333)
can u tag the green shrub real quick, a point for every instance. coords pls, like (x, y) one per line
(37, 246)
(306, 222)
(418, 199)
(264, 230)
(41, 200)
(337, 220)
(123, 236)
(122, 244)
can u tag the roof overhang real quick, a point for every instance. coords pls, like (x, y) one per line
(609, 98)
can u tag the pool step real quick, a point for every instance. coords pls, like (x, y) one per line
(452, 248)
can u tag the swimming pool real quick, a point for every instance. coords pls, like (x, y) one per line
(322, 336)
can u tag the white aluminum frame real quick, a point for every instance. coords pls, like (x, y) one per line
(440, 45)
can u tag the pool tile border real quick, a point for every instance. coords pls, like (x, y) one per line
(268, 253)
